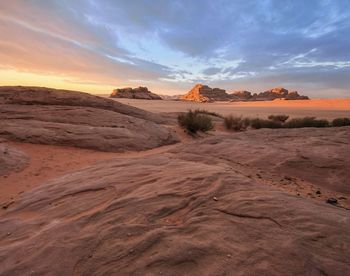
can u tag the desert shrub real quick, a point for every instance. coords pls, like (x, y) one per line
(203, 111)
(236, 123)
(193, 121)
(341, 122)
(306, 122)
(278, 118)
(258, 123)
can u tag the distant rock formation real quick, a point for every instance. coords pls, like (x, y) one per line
(269, 95)
(171, 97)
(241, 95)
(135, 93)
(203, 93)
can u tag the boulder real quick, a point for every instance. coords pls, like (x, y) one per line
(135, 93)
(203, 93)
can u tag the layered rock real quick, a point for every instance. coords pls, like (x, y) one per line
(49, 116)
(203, 93)
(135, 93)
(189, 212)
(31, 95)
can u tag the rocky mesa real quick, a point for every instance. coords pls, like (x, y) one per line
(269, 95)
(135, 93)
(203, 93)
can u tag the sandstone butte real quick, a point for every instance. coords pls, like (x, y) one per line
(203, 93)
(135, 93)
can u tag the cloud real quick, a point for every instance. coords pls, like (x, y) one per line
(302, 44)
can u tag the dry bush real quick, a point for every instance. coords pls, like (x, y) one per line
(306, 122)
(203, 111)
(236, 123)
(193, 121)
(338, 122)
(258, 123)
(278, 118)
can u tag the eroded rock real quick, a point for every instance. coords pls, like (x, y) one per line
(49, 116)
(135, 93)
(203, 93)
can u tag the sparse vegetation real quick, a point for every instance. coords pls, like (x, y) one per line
(341, 122)
(306, 122)
(278, 118)
(203, 111)
(236, 123)
(281, 121)
(194, 121)
(258, 123)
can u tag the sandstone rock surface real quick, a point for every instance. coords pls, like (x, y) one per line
(48, 116)
(203, 93)
(11, 159)
(197, 209)
(31, 95)
(135, 93)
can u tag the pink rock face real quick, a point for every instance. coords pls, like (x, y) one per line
(134, 93)
(203, 93)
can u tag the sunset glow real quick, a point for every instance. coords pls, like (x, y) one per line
(168, 46)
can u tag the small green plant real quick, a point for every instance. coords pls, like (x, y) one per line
(203, 111)
(258, 123)
(236, 123)
(341, 122)
(306, 122)
(278, 118)
(193, 122)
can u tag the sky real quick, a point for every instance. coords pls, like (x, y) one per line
(170, 45)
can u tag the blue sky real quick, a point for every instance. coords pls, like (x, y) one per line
(171, 45)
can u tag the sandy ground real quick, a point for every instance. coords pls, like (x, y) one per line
(322, 108)
(46, 162)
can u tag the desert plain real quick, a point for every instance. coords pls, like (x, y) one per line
(95, 186)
